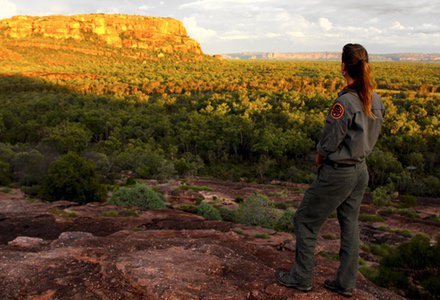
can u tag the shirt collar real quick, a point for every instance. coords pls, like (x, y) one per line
(346, 90)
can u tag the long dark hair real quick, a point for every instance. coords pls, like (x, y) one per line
(355, 58)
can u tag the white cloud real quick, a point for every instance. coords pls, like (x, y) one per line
(223, 26)
(238, 35)
(325, 24)
(272, 35)
(219, 5)
(144, 7)
(296, 34)
(196, 31)
(8, 9)
(397, 26)
(110, 10)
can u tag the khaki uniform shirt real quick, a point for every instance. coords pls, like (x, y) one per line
(349, 134)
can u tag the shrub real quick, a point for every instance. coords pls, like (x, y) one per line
(404, 232)
(137, 195)
(189, 164)
(195, 188)
(424, 186)
(369, 272)
(208, 211)
(130, 181)
(32, 191)
(409, 213)
(285, 222)
(385, 212)
(257, 210)
(228, 214)
(128, 213)
(73, 178)
(281, 205)
(189, 208)
(145, 162)
(238, 199)
(380, 249)
(413, 267)
(29, 167)
(407, 201)
(63, 213)
(381, 165)
(262, 236)
(434, 218)
(370, 218)
(295, 174)
(329, 255)
(110, 213)
(382, 196)
(5, 173)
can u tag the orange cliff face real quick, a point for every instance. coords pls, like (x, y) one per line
(125, 31)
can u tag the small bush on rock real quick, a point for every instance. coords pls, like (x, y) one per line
(138, 195)
(407, 201)
(257, 210)
(382, 196)
(208, 211)
(413, 267)
(228, 214)
(285, 222)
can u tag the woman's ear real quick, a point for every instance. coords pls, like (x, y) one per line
(342, 67)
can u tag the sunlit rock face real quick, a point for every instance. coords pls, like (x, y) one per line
(156, 34)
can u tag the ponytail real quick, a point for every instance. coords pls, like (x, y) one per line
(366, 88)
(355, 58)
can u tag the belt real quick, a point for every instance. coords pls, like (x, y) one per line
(338, 165)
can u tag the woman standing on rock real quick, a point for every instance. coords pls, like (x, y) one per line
(351, 130)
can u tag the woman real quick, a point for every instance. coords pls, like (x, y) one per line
(350, 133)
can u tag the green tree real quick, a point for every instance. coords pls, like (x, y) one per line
(73, 178)
(69, 136)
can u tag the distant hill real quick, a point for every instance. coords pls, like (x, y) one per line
(330, 56)
(163, 35)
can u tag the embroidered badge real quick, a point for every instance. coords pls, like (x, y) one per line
(337, 111)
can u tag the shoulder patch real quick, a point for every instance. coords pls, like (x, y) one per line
(337, 111)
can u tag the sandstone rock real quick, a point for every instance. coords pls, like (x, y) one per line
(165, 35)
(170, 255)
(74, 235)
(184, 196)
(26, 242)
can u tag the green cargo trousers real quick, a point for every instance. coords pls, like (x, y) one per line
(334, 188)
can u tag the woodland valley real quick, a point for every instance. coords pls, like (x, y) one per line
(134, 166)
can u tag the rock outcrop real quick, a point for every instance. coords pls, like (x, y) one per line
(65, 251)
(127, 31)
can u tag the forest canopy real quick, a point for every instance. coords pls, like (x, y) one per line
(257, 120)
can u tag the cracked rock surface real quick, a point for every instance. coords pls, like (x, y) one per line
(161, 254)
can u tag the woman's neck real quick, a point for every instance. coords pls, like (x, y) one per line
(349, 80)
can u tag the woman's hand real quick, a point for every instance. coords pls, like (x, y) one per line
(318, 159)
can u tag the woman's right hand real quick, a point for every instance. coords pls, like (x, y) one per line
(318, 159)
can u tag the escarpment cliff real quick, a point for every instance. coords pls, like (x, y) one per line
(123, 31)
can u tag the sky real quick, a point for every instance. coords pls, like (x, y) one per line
(228, 26)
